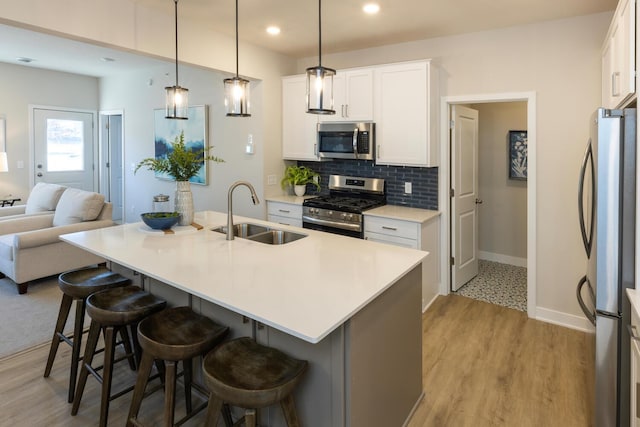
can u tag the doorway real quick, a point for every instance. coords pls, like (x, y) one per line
(445, 185)
(112, 161)
(63, 147)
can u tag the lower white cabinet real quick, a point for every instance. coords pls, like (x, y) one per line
(634, 404)
(415, 235)
(284, 213)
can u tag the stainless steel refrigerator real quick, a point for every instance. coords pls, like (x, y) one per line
(606, 204)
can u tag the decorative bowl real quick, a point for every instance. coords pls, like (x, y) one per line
(160, 220)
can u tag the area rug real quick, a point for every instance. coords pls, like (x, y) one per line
(28, 320)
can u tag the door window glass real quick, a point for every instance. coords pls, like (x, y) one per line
(65, 145)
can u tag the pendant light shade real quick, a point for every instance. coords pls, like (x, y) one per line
(320, 80)
(237, 91)
(177, 98)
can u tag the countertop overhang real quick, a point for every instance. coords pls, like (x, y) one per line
(306, 288)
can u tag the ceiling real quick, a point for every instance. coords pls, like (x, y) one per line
(344, 26)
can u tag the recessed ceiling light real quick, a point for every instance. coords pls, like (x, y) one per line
(371, 8)
(273, 30)
(25, 59)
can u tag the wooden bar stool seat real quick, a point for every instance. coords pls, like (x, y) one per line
(244, 373)
(77, 285)
(173, 335)
(113, 310)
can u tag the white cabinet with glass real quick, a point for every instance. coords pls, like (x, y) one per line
(298, 126)
(352, 96)
(619, 56)
(405, 111)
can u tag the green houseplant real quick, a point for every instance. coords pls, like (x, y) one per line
(182, 164)
(299, 177)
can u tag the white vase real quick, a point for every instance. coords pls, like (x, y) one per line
(184, 202)
(299, 190)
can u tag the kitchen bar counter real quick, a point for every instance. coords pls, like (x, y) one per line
(348, 306)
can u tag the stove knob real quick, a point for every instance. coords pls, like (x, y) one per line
(343, 216)
(350, 216)
(330, 213)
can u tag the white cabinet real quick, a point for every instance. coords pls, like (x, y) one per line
(352, 96)
(634, 405)
(284, 213)
(415, 235)
(405, 112)
(298, 127)
(618, 56)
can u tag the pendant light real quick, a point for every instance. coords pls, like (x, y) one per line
(237, 89)
(177, 98)
(320, 80)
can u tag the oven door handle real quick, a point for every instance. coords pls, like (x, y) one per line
(342, 225)
(355, 142)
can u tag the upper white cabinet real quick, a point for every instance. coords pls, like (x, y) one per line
(352, 96)
(619, 56)
(298, 127)
(405, 112)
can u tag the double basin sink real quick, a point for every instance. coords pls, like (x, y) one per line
(261, 233)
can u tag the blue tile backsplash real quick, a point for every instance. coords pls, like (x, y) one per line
(424, 181)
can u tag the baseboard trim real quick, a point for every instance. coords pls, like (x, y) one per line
(427, 305)
(503, 259)
(571, 321)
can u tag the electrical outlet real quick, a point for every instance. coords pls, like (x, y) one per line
(271, 180)
(248, 149)
(407, 187)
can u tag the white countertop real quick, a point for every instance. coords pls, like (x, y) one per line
(306, 288)
(403, 213)
(293, 200)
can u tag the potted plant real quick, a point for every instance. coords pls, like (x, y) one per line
(182, 164)
(299, 177)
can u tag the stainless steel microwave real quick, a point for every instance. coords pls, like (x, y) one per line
(340, 140)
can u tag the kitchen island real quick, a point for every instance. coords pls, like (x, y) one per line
(350, 307)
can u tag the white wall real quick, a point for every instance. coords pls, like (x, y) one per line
(22, 86)
(560, 62)
(502, 217)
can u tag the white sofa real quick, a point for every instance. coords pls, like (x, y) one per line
(30, 247)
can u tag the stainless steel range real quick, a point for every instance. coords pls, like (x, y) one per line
(341, 211)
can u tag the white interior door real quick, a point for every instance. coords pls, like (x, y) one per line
(64, 148)
(464, 182)
(111, 165)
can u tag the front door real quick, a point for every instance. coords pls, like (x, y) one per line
(64, 148)
(464, 182)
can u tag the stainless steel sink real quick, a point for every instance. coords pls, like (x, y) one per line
(277, 237)
(261, 233)
(243, 230)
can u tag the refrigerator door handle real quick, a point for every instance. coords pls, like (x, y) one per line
(591, 315)
(587, 161)
(633, 332)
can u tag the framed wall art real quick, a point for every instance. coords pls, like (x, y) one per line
(195, 137)
(518, 154)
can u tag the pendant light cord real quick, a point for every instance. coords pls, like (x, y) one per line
(320, 33)
(176, 18)
(237, 75)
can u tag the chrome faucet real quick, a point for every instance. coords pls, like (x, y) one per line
(254, 198)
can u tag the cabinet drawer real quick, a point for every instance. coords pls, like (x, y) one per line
(391, 240)
(295, 222)
(285, 209)
(392, 227)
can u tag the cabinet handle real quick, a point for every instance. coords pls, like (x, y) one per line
(342, 110)
(260, 326)
(315, 149)
(284, 210)
(615, 90)
(245, 319)
(346, 110)
(633, 332)
(384, 227)
(378, 151)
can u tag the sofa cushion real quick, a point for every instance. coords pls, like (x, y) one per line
(77, 205)
(43, 197)
(6, 246)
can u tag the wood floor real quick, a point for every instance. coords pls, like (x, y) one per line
(483, 365)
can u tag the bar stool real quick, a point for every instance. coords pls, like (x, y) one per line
(112, 310)
(244, 373)
(76, 286)
(175, 334)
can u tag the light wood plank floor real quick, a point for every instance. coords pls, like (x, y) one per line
(486, 365)
(483, 365)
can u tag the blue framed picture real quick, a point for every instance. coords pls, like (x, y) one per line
(518, 154)
(195, 137)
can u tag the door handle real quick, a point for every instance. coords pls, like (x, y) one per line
(39, 174)
(478, 201)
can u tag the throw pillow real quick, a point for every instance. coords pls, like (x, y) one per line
(43, 197)
(77, 205)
